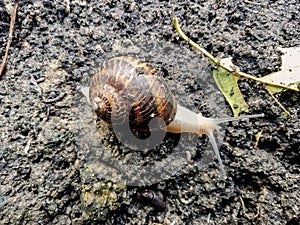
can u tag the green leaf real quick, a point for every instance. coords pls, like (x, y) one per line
(227, 83)
(273, 89)
(9, 5)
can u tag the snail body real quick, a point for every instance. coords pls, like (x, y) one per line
(127, 90)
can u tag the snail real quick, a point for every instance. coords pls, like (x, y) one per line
(127, 90)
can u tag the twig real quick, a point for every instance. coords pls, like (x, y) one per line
(248, 216)
(259, 210)
(190, 42)
(258, 136)
(56, 99)
(276, 100)
(250, 2)
(261, 200)
(10, 36)
(217, 63)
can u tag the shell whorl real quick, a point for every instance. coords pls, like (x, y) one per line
(127, 90)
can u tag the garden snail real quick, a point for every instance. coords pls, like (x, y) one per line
(125, 87)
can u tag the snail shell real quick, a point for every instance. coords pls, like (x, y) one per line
(126, 89)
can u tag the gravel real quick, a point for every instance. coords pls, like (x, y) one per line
(50, 170)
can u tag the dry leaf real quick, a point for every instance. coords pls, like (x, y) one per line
(289, 74)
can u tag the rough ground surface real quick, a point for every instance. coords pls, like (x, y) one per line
(57, 45)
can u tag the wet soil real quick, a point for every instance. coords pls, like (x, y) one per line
(58, 45)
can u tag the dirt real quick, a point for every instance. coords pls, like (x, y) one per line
(57, 168)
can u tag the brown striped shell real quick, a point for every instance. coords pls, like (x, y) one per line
(127, 90)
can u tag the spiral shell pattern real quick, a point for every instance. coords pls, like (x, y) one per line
(126, 89)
